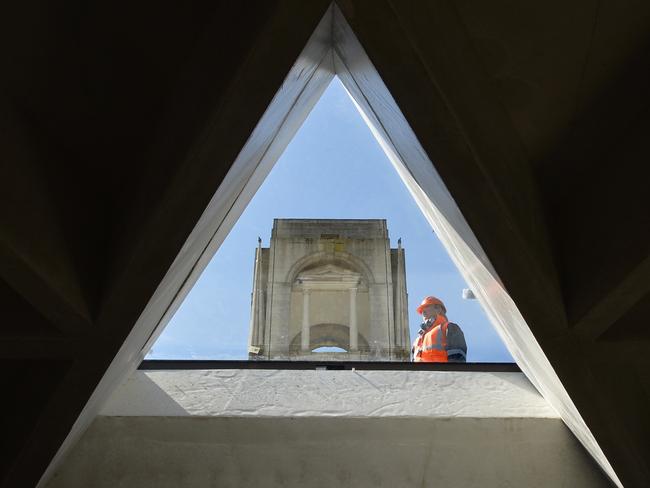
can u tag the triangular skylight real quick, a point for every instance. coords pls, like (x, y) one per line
(334, 50)
(332, 169)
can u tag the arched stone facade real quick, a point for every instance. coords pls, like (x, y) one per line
(339, 258)
(329, 283)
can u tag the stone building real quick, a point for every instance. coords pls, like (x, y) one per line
(332, 284)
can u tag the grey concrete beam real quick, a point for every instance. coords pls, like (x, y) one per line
(163, 452)
(41, 347)
(620, 298)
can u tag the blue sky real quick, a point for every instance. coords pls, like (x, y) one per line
(333, 168)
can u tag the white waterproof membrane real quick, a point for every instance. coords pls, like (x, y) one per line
(359, 394)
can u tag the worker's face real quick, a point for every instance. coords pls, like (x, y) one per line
(429, 312)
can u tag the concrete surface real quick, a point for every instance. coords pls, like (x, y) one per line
(279, 428)
(282, 393)
(117, 130)
(163, 452)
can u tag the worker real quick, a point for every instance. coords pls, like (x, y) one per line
(438, 340)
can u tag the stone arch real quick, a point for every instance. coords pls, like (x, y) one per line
(328, 335)
(339, 258)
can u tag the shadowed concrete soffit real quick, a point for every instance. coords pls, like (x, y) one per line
(112, 124)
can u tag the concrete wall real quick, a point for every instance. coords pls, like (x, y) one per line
(164, 452)
(266, 428)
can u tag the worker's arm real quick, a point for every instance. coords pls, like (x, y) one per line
(456, 345)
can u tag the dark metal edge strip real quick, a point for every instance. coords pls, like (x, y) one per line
(193, 364)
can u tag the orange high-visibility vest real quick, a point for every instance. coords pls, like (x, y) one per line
(431, 346)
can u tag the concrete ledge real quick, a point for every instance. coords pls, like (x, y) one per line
(171, 452)
(304, 393)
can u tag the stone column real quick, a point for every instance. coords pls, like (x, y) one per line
(354, 330)
(304, 343)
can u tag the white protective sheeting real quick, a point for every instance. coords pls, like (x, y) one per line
(308, 393)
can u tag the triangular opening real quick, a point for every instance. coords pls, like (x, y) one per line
(334, 50)
(333, 169)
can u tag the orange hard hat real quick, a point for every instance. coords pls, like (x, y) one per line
(430, 301)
